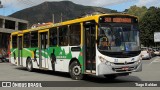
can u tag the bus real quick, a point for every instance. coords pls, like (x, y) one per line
(103, 44)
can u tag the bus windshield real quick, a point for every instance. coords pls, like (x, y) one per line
(116, 37)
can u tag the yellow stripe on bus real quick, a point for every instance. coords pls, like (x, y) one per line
(46, 30)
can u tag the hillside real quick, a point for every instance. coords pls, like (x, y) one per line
(43, 12)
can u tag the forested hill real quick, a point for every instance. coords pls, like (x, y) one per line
(44, 12)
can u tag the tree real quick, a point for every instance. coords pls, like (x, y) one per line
(149, 24)
(137, 11)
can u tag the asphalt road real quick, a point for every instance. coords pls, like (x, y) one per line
(151, 72)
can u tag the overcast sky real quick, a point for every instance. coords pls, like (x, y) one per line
(11, 6)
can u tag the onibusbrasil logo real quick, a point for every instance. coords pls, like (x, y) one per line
(21, 84)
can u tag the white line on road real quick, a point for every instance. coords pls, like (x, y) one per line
(155, 60)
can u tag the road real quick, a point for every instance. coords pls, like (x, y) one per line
(9, 72)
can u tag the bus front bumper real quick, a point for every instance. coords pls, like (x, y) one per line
(104, 69)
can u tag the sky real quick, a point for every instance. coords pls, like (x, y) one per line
(11, 6)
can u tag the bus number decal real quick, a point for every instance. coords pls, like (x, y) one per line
(115, 60)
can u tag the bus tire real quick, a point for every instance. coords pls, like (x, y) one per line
(29, 65)
(110, 77)
(75, 71)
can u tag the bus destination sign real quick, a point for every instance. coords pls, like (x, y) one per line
(118, 20)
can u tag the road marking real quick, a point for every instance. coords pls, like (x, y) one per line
(155, 60)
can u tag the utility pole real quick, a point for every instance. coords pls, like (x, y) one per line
(61, 17)
(53, 18)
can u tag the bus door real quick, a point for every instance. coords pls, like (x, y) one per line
(20, 60)
(43, 45)
(89, 41)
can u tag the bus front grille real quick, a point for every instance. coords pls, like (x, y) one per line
(122, 70)
(124, 63)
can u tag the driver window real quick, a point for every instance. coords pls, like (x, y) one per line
(106, 38)
(104, 43)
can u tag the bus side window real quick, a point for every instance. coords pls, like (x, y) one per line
(26, 40)
(63, 36)
(34, 39)
(74, 36)
(53, 36)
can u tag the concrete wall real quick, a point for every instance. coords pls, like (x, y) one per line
(9, 24)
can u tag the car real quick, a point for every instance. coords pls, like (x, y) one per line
(151, 51)
(145, 53)
(157, 52)
(3, 55)
(1, 58)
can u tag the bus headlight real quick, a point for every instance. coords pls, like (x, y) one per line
(104, 61)
(108, 63)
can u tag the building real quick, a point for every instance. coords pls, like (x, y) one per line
(7, 26)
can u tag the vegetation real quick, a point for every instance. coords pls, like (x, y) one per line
(137, 11)
(64, 9)
(149, 23)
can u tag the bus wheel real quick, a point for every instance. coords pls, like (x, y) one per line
(110, 77)
(29, 65)
(75, 71)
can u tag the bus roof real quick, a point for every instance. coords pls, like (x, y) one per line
(78, 20)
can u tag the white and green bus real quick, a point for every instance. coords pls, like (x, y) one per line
(104, 44)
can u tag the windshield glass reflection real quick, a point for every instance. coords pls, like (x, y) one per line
(117, 38)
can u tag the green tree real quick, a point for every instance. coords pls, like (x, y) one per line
(149, 24)
(137, 11)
